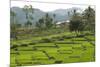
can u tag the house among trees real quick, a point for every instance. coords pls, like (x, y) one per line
(62, 24)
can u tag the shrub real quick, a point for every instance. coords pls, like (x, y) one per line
(46, 40)
(13, 46)
(58, 62)
(15, 49)
(80, 35)
(61, 39)
(67, 37)
(32, 43)
(51, 58)
(19, 64)
(24, 45)
(34, 48)
(28, 62)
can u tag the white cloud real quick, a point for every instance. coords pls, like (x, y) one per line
(50, 7)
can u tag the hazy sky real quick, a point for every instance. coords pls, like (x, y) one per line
(50, 7)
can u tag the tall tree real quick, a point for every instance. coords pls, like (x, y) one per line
(89, 19)
(48, 21)
(29, 15)
(13, 25)
(76, 23)
(45, 23)
(54, 20)
(25, 9)
(40, 24)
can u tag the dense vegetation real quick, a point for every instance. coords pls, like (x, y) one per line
(46, 43)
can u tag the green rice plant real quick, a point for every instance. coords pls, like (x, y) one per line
(12, 59)
(44, 44)
(25, 48)
(71, 60)
(47, 48)
(91, 38)
(87, 44)
(52, 48)
(63, 42)
(77, 52)
(45, 40)
(77, 47)
(68, 36)
(78, 39)
(65, 45)
(65, 51)
(65, 48)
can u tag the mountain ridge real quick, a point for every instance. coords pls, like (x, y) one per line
(61, 14)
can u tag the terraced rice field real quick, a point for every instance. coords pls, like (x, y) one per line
(59, 50)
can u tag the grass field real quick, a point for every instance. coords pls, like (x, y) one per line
(53, 49)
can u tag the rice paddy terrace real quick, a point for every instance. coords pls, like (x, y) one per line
(53, 50)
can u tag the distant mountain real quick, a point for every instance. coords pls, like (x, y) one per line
(61, 14)
(21, 17)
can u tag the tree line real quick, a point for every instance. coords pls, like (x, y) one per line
(79, 22)
(84, 21)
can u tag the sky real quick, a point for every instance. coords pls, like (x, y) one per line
(50, 7)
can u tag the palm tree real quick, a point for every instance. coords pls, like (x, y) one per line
(48, 21)
(54, 16)
(29, 15)
(89, 18)
(13, 25)
(25, 9)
